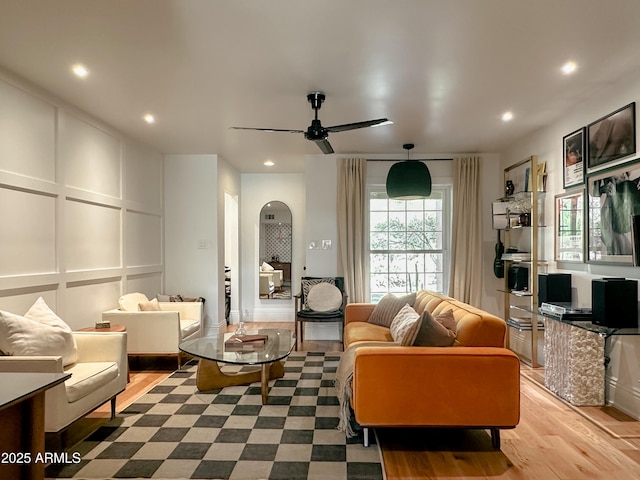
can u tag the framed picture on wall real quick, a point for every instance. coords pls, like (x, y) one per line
(612, 137)
(573, 158)
(613, 198)
(569, 214)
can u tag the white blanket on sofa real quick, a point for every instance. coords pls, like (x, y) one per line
(343, 384)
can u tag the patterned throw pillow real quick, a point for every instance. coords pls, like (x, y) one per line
(405, 326)
(307, 283)
(388, 307)
(438, 331)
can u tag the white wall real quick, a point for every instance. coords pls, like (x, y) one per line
(258, 190)
(623, 372)
(81, 206)
(321, 173)
(194, 231)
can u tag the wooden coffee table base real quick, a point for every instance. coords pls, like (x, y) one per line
(209, 376)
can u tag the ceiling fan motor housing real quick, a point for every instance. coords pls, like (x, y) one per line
(316, 131)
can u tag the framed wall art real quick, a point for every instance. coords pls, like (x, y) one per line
(573, 159)
(613, 197)
(612, 137)
(569, 214)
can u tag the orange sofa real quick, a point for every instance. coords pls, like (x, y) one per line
(473, 384)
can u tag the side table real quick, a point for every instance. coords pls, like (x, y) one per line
(112, 328)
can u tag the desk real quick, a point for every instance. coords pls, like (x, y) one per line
(575, 359)
(22, 422)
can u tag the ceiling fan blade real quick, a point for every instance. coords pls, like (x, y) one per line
(267, 129)
(353, 126)
(324, 145)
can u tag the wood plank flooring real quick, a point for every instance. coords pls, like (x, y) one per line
(554, 441)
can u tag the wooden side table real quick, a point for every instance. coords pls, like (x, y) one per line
(112, 328)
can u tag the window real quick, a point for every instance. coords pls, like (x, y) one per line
(408, 243)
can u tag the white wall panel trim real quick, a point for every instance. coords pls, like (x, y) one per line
(93, 198)
(26, 281)
(28, 184)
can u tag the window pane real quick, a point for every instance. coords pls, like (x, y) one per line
(415, 226)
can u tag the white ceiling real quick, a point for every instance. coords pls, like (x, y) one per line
(443, 71)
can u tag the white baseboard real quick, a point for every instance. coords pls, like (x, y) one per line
(622, 395)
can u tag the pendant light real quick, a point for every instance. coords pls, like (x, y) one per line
(408, 180)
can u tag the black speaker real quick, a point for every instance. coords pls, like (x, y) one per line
(554, 288)
(518, 278)
(635, 239)
(615, 302)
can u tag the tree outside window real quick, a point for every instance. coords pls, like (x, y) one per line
(408, 239)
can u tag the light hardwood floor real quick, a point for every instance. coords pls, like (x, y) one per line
(553, 441)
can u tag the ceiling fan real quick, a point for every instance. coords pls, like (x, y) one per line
(316, 132)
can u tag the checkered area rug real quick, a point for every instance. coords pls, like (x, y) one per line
(175, 432)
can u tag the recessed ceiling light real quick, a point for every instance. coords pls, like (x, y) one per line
(569, 67)
(269, 163)
(80, 70)
(149, 118)
(507, 116)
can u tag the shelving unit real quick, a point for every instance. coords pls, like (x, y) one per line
(523, 232)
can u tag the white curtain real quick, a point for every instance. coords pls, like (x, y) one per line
(352, 198)
(466, 242)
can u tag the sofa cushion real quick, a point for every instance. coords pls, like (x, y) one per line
(150, 306)
(88, 377)
(23, 336)
(405, 326)
(355, 332)
(388, 307)
(324, 297)
(130, 302)
(188, 327)
(439, 331)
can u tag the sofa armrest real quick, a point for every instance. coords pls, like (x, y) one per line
(101, 346)
(187, 310)
(436, 386)
(40, 364)
(154, 332)
(358, 312)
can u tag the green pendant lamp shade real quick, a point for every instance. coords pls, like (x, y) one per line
(408, 180)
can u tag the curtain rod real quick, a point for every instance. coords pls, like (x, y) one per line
(403, 159)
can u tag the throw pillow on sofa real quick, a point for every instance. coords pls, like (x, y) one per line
(150, 306)
(405, 326)
(388, 307)
(39, 332)
(438, 331)
(131, 301)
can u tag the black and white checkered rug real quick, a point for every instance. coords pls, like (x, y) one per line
(176, 432)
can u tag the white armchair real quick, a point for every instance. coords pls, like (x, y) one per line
(266, 286)
(159, 332)
(98, 375)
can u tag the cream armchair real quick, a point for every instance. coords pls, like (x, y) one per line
(277, 275)
(98, 375)
(158, 332)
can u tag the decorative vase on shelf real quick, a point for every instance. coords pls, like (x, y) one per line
(509, 188)
(525, 219)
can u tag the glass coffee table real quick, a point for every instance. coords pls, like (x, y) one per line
(211, 351)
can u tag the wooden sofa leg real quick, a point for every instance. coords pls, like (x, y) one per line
(113, 408)
(365, 436)
(495, 438)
